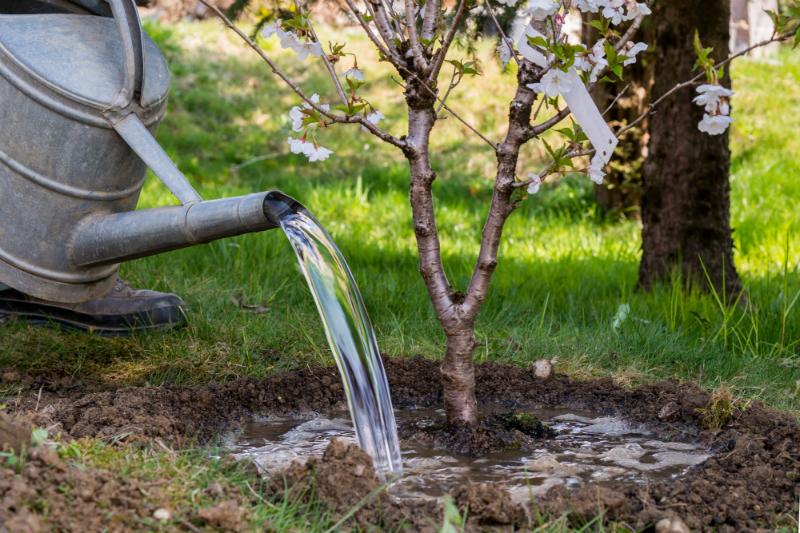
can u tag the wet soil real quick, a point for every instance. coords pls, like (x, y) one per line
(494, 433)
(752, 482)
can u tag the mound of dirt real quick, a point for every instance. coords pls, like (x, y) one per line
(343, 479)
(41, 492)
(751, 483)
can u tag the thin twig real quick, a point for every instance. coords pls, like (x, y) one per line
(185, 523)
(441, 54)
(450, 87)
(38, 399)
(503, 35)
(450, 110)
(355, 119)
(616, 99)
(372, 37)
(651, 107)
(330, 68)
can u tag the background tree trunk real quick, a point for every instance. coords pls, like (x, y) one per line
(686, 191)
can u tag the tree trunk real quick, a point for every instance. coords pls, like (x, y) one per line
(457, 370)
(458, 378)
(686, 192)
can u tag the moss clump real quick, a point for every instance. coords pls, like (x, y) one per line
(525, 423)
(720, 409)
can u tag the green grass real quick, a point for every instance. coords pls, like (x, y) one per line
(564, 269)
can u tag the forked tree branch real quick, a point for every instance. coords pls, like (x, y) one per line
(418, 53)
(350, 119)
(394, 59)
(441, 54)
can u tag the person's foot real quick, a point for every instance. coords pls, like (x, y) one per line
(122, 311)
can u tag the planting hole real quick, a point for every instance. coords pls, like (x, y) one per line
(587, 448)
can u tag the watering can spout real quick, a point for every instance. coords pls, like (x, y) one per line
(113, 238)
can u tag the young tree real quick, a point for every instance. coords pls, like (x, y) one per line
(416, 38)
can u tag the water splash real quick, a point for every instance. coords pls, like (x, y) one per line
(348, 330)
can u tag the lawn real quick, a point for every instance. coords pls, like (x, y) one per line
(564, 271)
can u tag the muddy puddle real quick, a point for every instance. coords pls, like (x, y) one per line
(587, 448)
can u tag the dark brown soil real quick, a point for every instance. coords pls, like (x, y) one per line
(496, 432)
(750, 484)
(74, 499)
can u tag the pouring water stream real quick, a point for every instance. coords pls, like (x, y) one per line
(348, 330)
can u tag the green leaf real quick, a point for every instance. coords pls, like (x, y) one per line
(539, 41)
(453, 521)
(38, 436)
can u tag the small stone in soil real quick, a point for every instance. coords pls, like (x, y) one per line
(543, 369)
(162, 514)
(671, 525)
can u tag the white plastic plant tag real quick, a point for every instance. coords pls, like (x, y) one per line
(579, 101)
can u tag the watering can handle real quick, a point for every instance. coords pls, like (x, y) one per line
(130, 30)
(127, 124)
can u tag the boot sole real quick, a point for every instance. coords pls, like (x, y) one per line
(162, 319)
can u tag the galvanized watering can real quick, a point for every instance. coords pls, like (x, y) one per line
(80, 96)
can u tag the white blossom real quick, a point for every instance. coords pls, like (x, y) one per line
(614, 11)
(296, 115)
(504, 51)
(594, 61)
(536, 183)
(509, 3)
(270, 29)
(588, 6)
(374, 117)
(290, 41)
(711, 96)
(714, 124)
(541, 9)
(636, 9)
(596, 170)
(354, 73)
(631, 51)
(555, 81)
(311, 150)
(714, 99)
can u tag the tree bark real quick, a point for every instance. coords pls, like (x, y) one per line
(457, 370)
(686, 190)
(458, 378)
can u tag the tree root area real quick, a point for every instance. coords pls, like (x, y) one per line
(751, 483)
